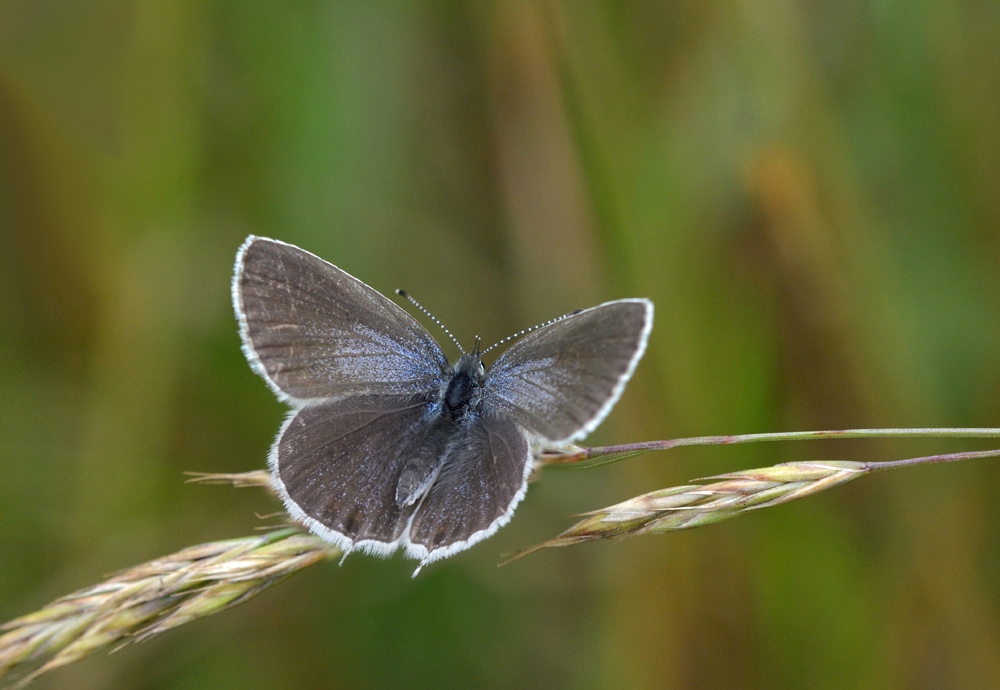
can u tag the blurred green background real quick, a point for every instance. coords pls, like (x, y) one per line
(808, 191)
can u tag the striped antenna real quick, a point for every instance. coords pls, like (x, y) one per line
(529, 330)
(405, 295)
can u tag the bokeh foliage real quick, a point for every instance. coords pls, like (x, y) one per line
(809, 192)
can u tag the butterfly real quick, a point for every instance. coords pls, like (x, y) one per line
(390, 446)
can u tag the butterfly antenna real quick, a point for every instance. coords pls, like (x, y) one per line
(405, 295)
(529, 330)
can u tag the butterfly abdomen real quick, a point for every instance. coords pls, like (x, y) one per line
(420, 468)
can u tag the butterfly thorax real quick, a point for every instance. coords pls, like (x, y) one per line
(463, 392)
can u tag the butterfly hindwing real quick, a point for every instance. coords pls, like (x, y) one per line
(336, 465)
(484, 476)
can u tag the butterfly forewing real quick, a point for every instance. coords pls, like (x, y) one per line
(315, 332)
(559, 381)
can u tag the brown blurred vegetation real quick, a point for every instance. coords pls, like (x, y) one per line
(808, 191)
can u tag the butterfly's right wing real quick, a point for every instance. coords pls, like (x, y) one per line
(560, 381)
(314, 332)
(475, 492)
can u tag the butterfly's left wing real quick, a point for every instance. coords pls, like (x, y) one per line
(314, 332)
(336, 465)
(475, 492)
(560, 381)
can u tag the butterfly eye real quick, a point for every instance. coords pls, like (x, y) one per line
(482, 369)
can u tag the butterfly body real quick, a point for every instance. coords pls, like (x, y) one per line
(388, 446)
(448, 430)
